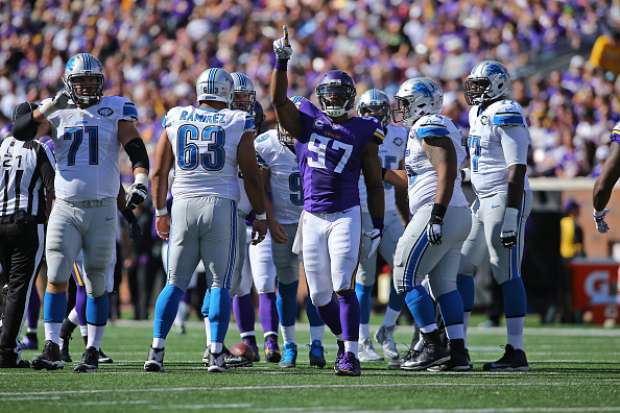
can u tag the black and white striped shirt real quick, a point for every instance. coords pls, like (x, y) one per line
(26, 178)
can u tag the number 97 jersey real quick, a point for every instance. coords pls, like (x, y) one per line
(87, 147)
(204, 143)
(286, 192)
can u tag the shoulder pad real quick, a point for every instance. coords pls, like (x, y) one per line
(506, 113)
(173, 115)
(430, 126)
(118, 107)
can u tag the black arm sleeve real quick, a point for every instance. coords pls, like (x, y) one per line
(137, 154)
(24, 127)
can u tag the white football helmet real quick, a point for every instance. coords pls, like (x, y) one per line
(214, 84)
(488, 80)
(79, 67)
(415, 98)
(374, 103)
(244, 94)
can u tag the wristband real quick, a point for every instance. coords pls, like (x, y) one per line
(262, 216)
(281, 64)
(377, 223)
(438, 211)
(141, 178)
(160, 212)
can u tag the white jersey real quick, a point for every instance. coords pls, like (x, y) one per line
(87, 147)
(286, 192)
(204, 142)
(422, 175)
(391, 152)
(488, 157)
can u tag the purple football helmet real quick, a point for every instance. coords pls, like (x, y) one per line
(336, 93)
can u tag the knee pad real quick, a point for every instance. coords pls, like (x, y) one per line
(321, 298)
(95, 285)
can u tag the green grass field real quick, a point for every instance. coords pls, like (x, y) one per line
(573, 370)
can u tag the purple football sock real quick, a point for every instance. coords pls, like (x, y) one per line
(243, 308)
(330, 313)
(267, 312)
(34, 308)
(349, 315)
(80, 304)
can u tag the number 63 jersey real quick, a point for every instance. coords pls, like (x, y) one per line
(286, 192)
(330, 158)
(204, 142)
(86, 148)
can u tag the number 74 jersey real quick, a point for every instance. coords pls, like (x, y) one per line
(86, 148)
(204, 143)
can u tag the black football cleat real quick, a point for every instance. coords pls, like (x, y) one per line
(155, 361)
(50, 359)
(217, 363)
(89, 362)
(433, 353)
(104, 358)
(11, 359)
(459, 359)
(512, 360)
(64, 351)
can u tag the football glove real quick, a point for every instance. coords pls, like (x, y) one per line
(136, 195)
(282, 48)
(59, 102)
(435, 223)
(509, 231)
(372, 240)
(599, 220)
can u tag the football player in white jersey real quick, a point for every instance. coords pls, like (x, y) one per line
(605, 182)
(498, 145)
(273, 260)
(207, 145)
(440, 223)
(88, 129)
(375, 103)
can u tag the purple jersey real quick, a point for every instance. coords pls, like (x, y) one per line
(330, 158)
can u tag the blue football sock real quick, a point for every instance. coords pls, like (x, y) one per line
(421, 306)
(97, 310)
(465, 285)
(219, 313)
(451, 307)
(396, 300)
(54, 307)
(205, 303)
(314, 318)
(166, 309)
(286, 303)
(515, 301)
(364, 296)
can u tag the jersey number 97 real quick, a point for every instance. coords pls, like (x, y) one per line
(212, 156)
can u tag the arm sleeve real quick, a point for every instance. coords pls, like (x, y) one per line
(515, 142)
(249, 124)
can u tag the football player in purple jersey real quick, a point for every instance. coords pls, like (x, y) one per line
(332, 148)
(605, 182)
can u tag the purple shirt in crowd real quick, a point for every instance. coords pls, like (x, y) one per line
(330, 158)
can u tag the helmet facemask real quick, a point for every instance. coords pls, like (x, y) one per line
(335, 100)
(243, 100)
(408, 110)
(476, 90)
(85, 89)
(379, 111)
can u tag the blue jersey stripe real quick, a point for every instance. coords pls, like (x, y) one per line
(508, 119)
(424, 133)
(129, 109)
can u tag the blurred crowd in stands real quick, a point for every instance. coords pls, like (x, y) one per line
(564, 55)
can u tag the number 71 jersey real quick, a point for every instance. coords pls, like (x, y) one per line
(86, 148)
(204, 142)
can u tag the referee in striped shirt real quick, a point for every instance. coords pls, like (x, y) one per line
(26, 193)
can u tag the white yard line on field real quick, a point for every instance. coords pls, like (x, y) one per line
(584, 409)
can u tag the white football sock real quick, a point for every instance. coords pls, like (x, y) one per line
(216, 348)
(429, 328)
(207, 330)
(351, 346)
(158, 342)
(84, 331)
(364, 332)
(466, 316)
(52, 332)
(390, 317)
(288, 333)
(95, 336)
(455, 331)
(514, 328)
(317, 333)
(181, 316)
(73, 317)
